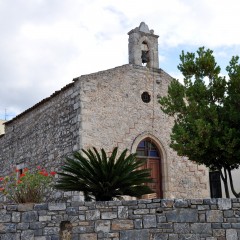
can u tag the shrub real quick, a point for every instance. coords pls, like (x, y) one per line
(27, 187)
(104, 177)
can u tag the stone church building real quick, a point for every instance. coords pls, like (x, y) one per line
(114, 107)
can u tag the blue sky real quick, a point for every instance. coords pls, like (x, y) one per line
(44, 44)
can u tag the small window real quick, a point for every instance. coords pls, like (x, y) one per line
(146, 97)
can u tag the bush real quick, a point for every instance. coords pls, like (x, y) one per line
(27, 187)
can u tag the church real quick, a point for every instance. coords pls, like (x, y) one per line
(115, 107)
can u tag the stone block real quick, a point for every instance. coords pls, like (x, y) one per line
(122, 224)
(109, 215)
(159, 236)
(27, 235)
(88, 236)
(189, 236)
(8, 228)
(173, 236)
(29, 216)
(5, 218)
(219, 232)
(23, 226)
(214, 216)
(51, 230)
(181, 228)
(92, 215)
(45, 218)
(102, 225)
(138, 223)
(25, 207)
(181, 203)
(40, 206)
(149, 221)
(134, 235)
(224, 203)
(122, 212)
(16, 216)
(201, 228)
(167, 203)
(182, 215)
(161, 218)
(231, 234)
(56, 206)
(10, 236)
(37, 225)
(228, 213)
(141, 211)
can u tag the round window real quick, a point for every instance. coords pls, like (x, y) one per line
(146, 97)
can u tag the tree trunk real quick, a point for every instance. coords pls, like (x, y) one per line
(225, 181)
(237, 195)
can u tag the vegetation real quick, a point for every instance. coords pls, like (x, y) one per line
(206, 109)
(26, 187)
(104, 178)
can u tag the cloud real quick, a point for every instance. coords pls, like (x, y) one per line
(45, 44)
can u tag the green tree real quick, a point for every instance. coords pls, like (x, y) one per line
(206, 109)
(104, 177)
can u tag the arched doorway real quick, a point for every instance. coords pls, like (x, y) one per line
(148, 151)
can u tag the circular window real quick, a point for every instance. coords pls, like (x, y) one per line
(146, 97)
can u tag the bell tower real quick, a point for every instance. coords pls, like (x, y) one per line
(143, 47)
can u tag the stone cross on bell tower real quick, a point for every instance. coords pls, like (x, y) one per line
(143, 47)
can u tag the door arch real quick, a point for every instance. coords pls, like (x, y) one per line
(149, 151)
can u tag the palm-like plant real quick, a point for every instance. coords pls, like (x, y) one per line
(104, 177)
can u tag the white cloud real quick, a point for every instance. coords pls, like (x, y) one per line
(45, 44)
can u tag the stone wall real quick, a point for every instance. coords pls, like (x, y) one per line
(203, 219)
(43, 134)
(113, 114)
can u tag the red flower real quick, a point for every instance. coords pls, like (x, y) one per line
(53, 173)
(44, 173)
(19, 181)
(17, 170)
(2, 189)
(38, 167)
(1, 178)
(22, 175)
(25, 170)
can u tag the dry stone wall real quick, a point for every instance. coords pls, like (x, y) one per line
(196, 219)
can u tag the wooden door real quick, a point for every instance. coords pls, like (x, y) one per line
(154, 165)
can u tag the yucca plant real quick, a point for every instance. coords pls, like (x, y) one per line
(104, 177)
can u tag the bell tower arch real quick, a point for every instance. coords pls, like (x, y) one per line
(143, 47)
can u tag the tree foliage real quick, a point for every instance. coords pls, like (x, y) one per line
(206, 109)
(104, 177)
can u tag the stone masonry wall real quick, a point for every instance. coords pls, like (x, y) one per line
(113, 114)
(195, 219)
(43, 134)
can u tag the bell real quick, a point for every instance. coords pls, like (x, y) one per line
(144, 56)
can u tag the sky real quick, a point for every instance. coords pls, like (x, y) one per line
(44, 44)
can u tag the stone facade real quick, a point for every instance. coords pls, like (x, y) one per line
(104, 110)
(200, 219)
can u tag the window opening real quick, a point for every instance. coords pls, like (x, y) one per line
(145, 53)
(146, 97)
